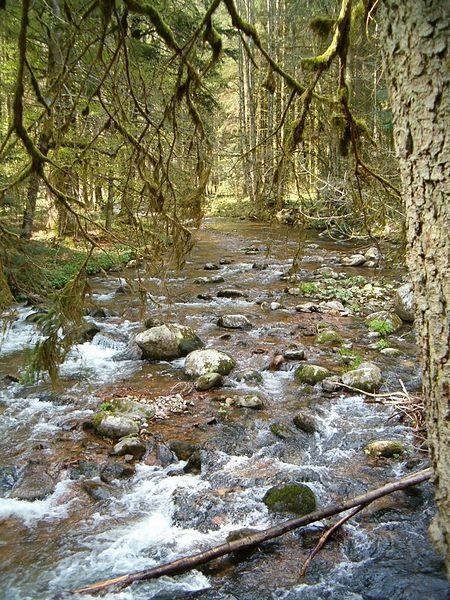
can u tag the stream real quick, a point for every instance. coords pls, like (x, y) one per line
(72, 514)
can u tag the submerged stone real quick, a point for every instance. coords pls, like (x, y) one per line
(295, 498)
(231, 293)
(207, 280)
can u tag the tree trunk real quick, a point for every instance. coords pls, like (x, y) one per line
(30, 207)
(415, 45)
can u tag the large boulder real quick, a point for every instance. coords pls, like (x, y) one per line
(234, 322)
(367, 377)
(404, 302)
(167, 342)
(311, 374)
(201, 362)
(295, 498)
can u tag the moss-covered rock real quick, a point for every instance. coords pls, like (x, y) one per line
(281, 430)
(311, 374)
(329, 337)
(367, 377)
(167, 342)
(385, 449)
(384, 322)
(249, 376)
(295, 498)
(208, 381)
(201, 362)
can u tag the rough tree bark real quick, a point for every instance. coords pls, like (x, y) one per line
(415, 44)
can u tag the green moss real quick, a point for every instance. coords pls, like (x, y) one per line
(308, 288)
(385, 449)
(38, 268)
(350, 359)
(381, 327)
(295, 498)
(382, 344)
(281, 431)
(311, 374)
(321, 25)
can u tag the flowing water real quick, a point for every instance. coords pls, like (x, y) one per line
(80, 529)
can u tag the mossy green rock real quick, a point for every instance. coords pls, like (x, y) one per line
(281, 430)
(385, 449)
(329, 337)
(201, 362)
(208, 381)
(384, 322)
(295, 498)
(311, 374)
(367, 377)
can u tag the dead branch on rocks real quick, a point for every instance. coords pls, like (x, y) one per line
(200, 558)
(410, 407)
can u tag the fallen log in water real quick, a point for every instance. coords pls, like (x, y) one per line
(200, 558)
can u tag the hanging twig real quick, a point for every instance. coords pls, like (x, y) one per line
(200, 558)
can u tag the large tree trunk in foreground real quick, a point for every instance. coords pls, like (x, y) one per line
(415, 43)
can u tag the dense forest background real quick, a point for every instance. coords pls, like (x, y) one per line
(125, 125)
